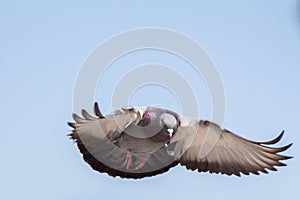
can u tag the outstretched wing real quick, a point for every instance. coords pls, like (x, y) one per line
(97, 139)
(205, 146)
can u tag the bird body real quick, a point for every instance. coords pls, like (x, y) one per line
(146, 141)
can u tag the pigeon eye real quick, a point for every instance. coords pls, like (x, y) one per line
(149, 115)
(145, 115)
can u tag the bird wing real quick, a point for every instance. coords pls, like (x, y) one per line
(100, 127)
(204, 146)
(96, 138)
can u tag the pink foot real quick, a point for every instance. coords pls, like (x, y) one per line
(128, 160)
(141, 161)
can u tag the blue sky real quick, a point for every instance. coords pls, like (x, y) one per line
(255, 46)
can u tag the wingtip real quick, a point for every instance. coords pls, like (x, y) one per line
(287, 146)
(281, 134)
(288, 157)
(72, 136)
(71, 124)
(280, 149)
(76, 117)
(86, 115)
(275, 140)
(97, 111)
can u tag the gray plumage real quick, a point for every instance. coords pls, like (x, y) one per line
(146, 141)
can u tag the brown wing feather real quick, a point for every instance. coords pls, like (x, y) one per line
(97, 145)
(231, 154)
(102, 168)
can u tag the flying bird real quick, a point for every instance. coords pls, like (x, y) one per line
(138, 142)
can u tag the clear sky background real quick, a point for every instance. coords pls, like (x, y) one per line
(255, 45)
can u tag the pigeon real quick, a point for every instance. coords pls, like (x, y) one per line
(138, 142)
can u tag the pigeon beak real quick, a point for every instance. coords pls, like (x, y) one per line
(138, 118)
(140, 112)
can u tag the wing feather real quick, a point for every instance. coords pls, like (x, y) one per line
(230, 154)
(96, 139)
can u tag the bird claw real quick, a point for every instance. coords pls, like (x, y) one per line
(128, 160)
(141, 162)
